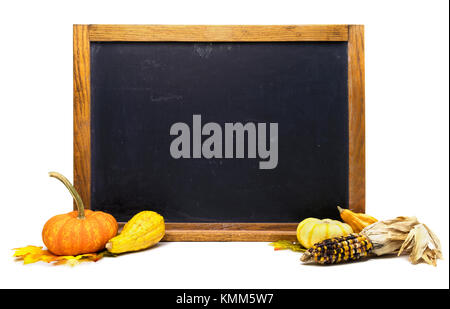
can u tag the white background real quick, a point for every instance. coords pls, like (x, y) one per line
(407, 110)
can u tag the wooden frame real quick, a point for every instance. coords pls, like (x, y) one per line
(353, 34)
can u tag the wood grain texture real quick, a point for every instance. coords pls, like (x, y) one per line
(217, 33)
(356, 109)
(81, 113)
(229, 231)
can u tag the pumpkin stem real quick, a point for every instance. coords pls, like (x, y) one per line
(73, 192)
(340, 209)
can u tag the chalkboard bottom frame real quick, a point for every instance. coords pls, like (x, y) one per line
(228, 231)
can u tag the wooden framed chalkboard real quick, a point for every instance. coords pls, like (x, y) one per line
(232, 133)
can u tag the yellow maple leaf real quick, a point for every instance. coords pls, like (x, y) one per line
(32, 254)
(286, 244)
(27, 250)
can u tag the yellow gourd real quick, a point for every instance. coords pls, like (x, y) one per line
(358, 221)
(312, 230)
(144, 230)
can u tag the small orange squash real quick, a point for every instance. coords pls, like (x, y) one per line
(78, 232)
(358, 221)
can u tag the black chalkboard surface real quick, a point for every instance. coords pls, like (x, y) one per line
(140, 89)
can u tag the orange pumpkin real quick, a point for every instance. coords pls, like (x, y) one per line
(78, 232)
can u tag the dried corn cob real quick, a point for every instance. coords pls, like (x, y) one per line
(339, 249)
(395, 236)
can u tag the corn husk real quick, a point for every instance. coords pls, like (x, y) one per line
(422, 244)
(388, 236)
(404, 235)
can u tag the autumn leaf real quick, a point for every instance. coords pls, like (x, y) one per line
(286, 244)
(33, 254)
(27, 250)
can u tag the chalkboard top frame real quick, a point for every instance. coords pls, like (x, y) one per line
(83, 35)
